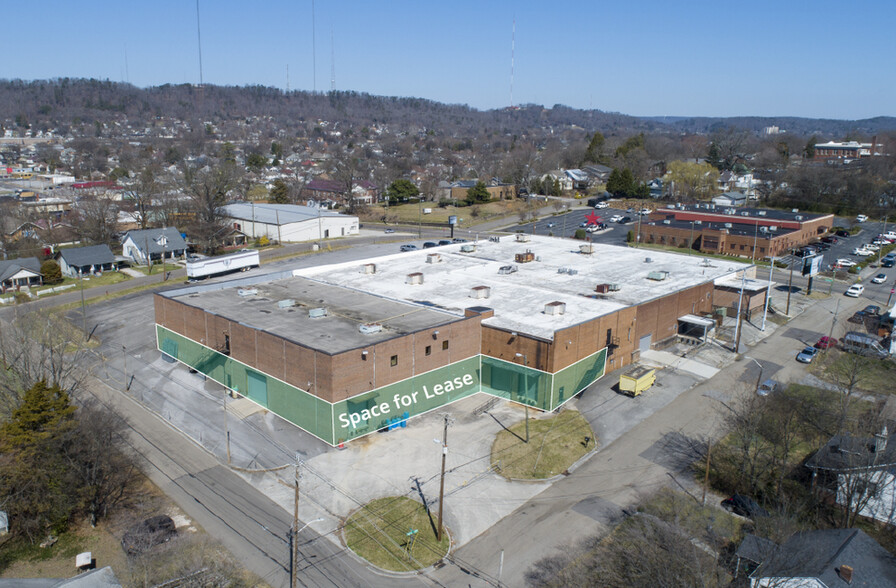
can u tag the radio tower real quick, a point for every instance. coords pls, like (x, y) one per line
(512, 46)
(199, 41)
(332, 63)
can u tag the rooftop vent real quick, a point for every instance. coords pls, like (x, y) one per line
(414, 278)
(795, 210)
(247, 292)
(699, 222)
(288, 303)
(524, 257)
(773, 228)
(567, 270)
(369, 268)
(433, 258)
(317, 312)
(845, 572)
(798, 217)
(370, 328)
(763, 229)
(480, 292)
(761, 212)
(467, 248)
(728, 225)
(745, 213)
(586, 248)
(555, 308)
(507, 269)
(604, 288)
(522, 238)
(657, 276)
(648, 260)
(667, 222)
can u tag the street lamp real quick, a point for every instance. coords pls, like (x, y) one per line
(526, 389)
(163, 243)
(759, 379)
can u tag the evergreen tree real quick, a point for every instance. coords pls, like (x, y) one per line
(280, 192)
(478, 193)
(50, 272)
(595, 151)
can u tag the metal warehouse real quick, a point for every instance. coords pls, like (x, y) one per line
(347, 349)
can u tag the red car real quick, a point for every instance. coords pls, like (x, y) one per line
(826, 342)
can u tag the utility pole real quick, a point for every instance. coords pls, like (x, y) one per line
(293, 533)
(448, 421)
(834, 320)
(706, 477)
(789, 284)
(83, 306)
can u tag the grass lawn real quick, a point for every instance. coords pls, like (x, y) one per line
(873, 375)
(555, 443)
(378, 533)
(411, 213)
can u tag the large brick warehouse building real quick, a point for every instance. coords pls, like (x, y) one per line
(344, 350)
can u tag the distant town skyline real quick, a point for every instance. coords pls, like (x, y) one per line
(648, 58)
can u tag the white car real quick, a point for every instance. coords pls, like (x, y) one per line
(855, 290)
(871, 247)
(615, 218)
(602, 205)
(862, 251)
(861, 218)
(846, 263)
(879, 279)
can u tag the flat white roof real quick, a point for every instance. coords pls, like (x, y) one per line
(519, 298)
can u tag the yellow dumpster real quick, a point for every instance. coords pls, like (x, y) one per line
(637, 380)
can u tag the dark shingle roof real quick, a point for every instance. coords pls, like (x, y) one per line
(820, 555)
(845, 452)
(10, 267)
(756, 549)
(149, 238)
(93, 255)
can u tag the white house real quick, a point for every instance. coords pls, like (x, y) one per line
(152, 244)
(289, 223)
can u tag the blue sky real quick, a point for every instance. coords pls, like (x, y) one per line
(784, 58)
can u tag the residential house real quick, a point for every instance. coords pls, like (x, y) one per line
(827, 558)
(321, 190)
(860, 472)
(598, 173)
(151, 244)
(730, 199)
(558, 175)
(726, 181)
(655, 186)
(497, 189)
(86, 260)
(580, 179)
(18, 273)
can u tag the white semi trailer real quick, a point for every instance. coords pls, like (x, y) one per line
(206, 267)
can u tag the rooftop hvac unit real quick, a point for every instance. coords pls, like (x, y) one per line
(555, 308)
(414, 278)
(773, 228)
(433, 258)
(657, 276)
(667, 222)
(524, 257)
(648, 260)
(480, 292)
(586, 248)
(522, 238)
(795, 210)
(760, 212)
(467, 248)
(288, 303)
(728, 225)
(699, 222)
(317, 312)
(763, 229)
(798, 217)
(369, 268)
(730, 211)
(745, 213)
(604, 288)
(507, 269)
(370, 328)
(247, 292)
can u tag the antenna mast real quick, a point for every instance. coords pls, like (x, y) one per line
(313, 51)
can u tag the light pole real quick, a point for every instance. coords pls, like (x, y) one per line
(768, 292)
(526, 389)
(163, 243)
(759, 379)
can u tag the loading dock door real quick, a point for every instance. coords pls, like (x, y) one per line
(644, 343)
(258, 387)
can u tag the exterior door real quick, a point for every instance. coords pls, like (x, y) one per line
(258, 387)
(644, 343)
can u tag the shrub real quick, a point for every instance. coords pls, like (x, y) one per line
(630, 238)
(262, 241)
(50, 272)
(580, 234)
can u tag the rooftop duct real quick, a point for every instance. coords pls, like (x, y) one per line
(247, 292)
(369, 268)
(370, 328)
(555, 308)
(317, 312)
(433, 258)
(480, 292)
(288, 303)
(415, 278)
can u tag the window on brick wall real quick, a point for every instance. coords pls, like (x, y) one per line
(428, 350)
(393, 361)
(444, 345)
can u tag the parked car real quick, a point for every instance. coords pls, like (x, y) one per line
(458, 240)
(767, 387)
(602, 205)
(615, 218)
(846, 262)
(870, 310)
(408, 247)
(550, 225)
(625, 220)
(871, 247)
(744, 506)
(855, 290)
(429, 244)
(862, 252)
(444, 242)
(888, 262)
(842, 234)
(806, 355)
(390, 230)
(830, 239)
(826, 342)
(879, 279)
(861, 218)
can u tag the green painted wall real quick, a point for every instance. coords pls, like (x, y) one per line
(370, 411)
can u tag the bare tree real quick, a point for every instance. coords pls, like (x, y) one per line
(98, 219)
(143, 192)
(208, 188)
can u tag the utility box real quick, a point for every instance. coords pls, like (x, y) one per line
(637, 380)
